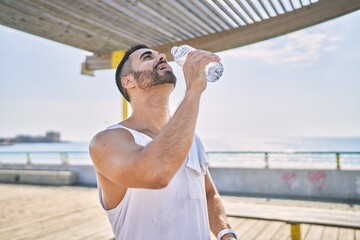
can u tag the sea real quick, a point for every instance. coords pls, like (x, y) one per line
(275, 152)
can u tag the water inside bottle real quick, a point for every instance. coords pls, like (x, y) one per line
(214, 71)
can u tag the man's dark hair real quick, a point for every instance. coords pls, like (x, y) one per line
(125, 68)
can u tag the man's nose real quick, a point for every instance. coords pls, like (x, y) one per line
(161, 57)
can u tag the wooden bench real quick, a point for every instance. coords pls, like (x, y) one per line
(295, 216)
(41, 177)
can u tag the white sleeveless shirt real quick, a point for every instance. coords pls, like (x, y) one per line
(177, 212)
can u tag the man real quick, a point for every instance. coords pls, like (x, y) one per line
(151, 168)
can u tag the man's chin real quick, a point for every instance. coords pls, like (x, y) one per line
(172, 83)
(169, 77)
(165, 72)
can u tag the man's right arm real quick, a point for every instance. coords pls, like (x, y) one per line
(118, 158)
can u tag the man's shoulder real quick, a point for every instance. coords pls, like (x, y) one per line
(107, 143)
(110, 136)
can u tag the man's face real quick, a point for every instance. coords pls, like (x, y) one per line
(150, 68)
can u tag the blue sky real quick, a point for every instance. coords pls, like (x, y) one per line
(306, 83)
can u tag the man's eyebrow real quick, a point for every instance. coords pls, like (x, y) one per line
(145, 53)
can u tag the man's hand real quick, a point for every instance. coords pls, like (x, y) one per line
(194, 68)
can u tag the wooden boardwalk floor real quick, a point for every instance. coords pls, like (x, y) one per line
(41, 212)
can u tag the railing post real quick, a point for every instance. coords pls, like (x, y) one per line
(28, 159)
(338, 161)
(295, 231)
(64, 158)
(266, 160)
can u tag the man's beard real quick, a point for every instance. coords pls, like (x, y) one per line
(149, 78)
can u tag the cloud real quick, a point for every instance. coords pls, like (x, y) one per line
(302, 47)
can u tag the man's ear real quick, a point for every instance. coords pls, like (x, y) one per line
(127, 82)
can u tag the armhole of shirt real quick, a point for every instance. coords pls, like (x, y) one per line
(101, 194)
(103, 202)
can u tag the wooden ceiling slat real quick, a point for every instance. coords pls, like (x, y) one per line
(26, 24)
(52, 28)
(241, 16)
(282, 5)
(102, 28)
(264, 7)
(228, 13)
(216, 13)
(73, 15)
(270, 8)
(246, 10)
(182, 13)
(254, 8)
(122, 22)
(305, 2)
(273, 7)
(187, 16)
(210, 14)
(148, 23)
(164, 22)
(127, 23)
(201, 15)
(171, 20)
(278, 7)
(287, 5)
(156, 22)
(292, 5)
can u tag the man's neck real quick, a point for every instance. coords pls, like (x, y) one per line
(149, 115)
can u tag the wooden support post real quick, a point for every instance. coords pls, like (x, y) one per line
(295, 231)
(124, 108)
(86, 71)
(116, 57)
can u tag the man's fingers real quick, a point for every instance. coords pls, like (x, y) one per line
(207, 59)
(202, 57)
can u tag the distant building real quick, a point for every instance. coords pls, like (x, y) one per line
(50, 137)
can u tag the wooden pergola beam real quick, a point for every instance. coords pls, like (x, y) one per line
(298, 19)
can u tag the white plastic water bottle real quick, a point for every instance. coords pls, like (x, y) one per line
(213, 70)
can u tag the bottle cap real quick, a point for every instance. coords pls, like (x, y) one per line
(174, 50)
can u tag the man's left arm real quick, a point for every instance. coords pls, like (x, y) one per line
(217, 217)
